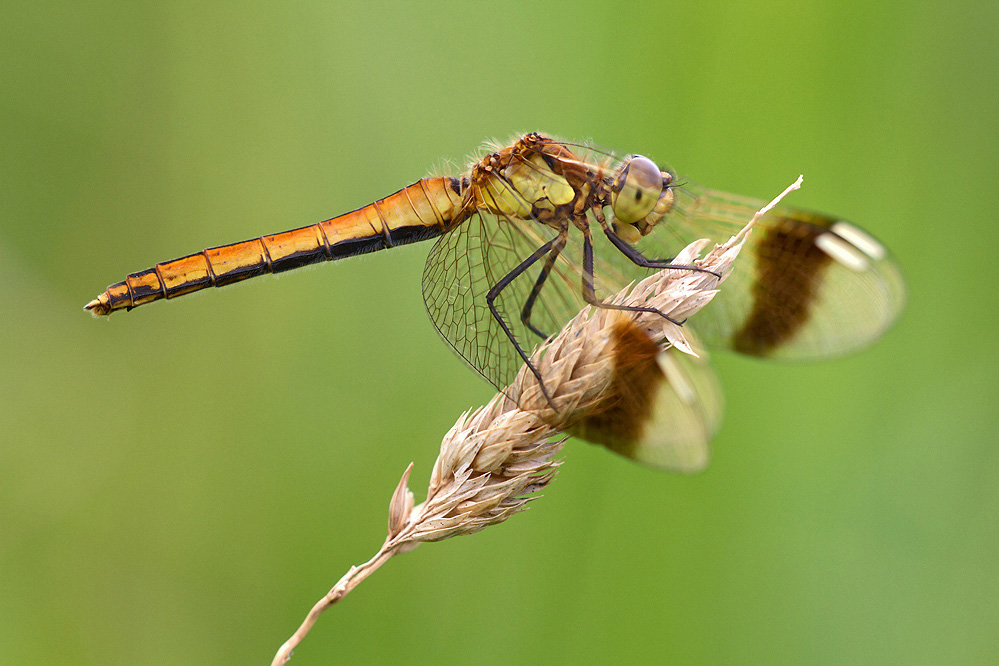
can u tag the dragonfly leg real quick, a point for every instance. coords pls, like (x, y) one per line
(556, 250)
(590, 294)
(636, 256)
(504, 282)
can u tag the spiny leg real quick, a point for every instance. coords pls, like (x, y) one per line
(590, 294)
(636, 256)
(553, 254)
(504, 282)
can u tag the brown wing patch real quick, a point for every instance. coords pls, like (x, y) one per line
(789, 268)
(622, 415)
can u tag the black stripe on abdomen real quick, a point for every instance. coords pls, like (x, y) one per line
(299, 259)
(399, 236)
(239, 274)
(144, 285)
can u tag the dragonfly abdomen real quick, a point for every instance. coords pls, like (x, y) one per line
(423, 210)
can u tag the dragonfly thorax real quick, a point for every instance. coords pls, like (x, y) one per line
(538, 178)
(522, 187)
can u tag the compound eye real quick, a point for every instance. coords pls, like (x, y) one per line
(636, 189)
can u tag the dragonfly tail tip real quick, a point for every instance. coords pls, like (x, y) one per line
(97, 307)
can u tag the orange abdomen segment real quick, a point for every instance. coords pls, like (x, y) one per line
(423, 210)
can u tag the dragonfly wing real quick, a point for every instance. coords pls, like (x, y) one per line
(807, 286)
(663, 406)
(465, 264)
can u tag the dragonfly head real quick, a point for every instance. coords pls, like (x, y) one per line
(640, 197)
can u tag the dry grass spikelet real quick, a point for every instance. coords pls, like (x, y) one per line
(494, 460)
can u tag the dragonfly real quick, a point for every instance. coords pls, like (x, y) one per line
(538, 229)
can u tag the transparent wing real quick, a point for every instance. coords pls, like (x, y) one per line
(807, 286)
(464, 265)
(663, 407)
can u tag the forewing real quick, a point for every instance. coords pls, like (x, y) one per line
(662, 409)
(462, 267)
(806, 286)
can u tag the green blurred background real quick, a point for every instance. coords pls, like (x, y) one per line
(178, 485)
